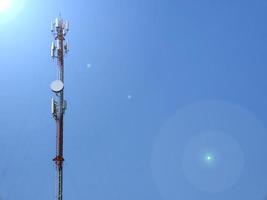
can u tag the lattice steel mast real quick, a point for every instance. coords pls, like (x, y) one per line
(59, 48)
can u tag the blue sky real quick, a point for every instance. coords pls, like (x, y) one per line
(195, 72)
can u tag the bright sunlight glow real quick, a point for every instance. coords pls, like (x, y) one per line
(5, 5)
(10, 9)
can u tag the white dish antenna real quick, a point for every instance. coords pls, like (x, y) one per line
(57, 86)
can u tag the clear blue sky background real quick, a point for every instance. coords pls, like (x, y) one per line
(197, 63)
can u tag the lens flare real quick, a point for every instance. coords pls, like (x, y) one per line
(209, 158)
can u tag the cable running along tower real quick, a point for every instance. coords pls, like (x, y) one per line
(59, 48)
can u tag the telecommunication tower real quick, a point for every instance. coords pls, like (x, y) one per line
(59, 48)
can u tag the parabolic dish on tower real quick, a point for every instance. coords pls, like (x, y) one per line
(57, 86)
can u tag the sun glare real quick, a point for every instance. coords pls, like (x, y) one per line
(5, 5)
(10, 9)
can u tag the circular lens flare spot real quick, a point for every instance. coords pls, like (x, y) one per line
(209, 158)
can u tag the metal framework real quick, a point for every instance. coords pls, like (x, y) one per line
(59, 48)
